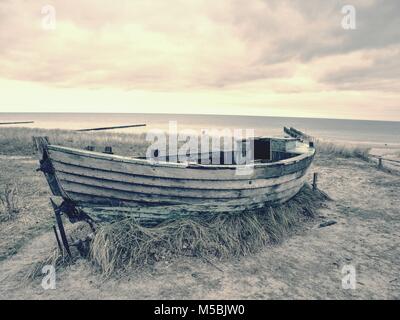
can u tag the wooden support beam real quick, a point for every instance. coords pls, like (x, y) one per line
(57, 212)
(40, 143)
(58, 239)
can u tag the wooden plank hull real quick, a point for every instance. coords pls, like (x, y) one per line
(93, 179)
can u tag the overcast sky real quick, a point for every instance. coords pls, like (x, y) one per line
(256, 57)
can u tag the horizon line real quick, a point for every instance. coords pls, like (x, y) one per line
(198, 114)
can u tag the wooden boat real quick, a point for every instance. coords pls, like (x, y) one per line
(88, 179)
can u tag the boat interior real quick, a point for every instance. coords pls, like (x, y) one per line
(259, 150)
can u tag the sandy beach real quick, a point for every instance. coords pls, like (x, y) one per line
(307, 265)
(219, 150)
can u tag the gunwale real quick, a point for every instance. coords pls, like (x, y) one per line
(177, 171)
(132, 160)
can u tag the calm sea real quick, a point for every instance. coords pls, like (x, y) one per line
(355, 131)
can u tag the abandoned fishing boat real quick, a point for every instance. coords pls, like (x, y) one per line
(100, 186)
(89, 179)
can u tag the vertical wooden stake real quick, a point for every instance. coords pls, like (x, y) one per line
(108, 150)
(380, 164)
(315, 179)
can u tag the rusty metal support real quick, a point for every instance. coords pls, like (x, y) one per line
(57, 238)
(60, 225)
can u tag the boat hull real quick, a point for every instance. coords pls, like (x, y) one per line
(91, 179)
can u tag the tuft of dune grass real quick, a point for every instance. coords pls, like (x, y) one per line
(18, 141)
(55, 258)
(9, 202)
(58, 259)
(126, 244)
(342, 150)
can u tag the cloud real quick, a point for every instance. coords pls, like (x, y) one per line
(374, 69)
(291, 46)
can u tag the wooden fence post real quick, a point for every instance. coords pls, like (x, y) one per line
(108, 150)
(380, 163)
(315, 180)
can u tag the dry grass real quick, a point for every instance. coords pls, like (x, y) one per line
(9, 202)
(126, 244)
(18, 141)
(342, 150)
(55, 258)
(26, 212)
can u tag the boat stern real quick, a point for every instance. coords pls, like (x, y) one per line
(41, 144)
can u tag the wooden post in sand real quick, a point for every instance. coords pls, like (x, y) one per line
(315, 179)
(380, 163)
(108, 150)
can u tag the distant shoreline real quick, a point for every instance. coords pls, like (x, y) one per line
(195, 115)
(382, 136)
